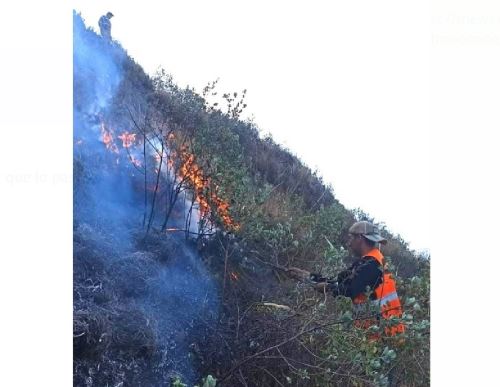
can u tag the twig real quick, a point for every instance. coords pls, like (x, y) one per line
(132, 160)
(225, 268)
(145, 181)
(321, 196)
(246, 360)
(278, 306)
(243, 379)
(312, 353)
(190, 232)
(270, 374)
(286, 360)
(155, 191)
(142, 131)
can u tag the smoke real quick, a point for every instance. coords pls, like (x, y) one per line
(134, 298)
(104, 193)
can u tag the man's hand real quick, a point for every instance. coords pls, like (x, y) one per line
(298, 274)
(321, 287)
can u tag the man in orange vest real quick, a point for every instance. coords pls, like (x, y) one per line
(366, 281)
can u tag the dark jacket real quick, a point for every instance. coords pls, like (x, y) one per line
(105, 24)
(364, 272)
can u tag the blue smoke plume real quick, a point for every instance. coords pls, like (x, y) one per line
(168, 285)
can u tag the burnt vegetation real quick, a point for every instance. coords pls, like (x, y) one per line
(183, 215)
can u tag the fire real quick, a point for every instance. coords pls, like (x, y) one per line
(128, 139)
(205, 195)
(107, 139)
(201, 185)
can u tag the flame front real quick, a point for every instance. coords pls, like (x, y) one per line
(128, 143)
(128, 139)
(206, 197)
(201, 186)
(107, 139)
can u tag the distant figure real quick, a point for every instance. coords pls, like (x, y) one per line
(105, 26)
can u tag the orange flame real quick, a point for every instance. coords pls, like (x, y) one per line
(201, 185)
(189, 170)
(128, 139)
(107, 139)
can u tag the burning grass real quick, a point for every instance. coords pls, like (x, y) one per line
(205, 195)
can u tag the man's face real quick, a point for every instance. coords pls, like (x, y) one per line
(355, 243)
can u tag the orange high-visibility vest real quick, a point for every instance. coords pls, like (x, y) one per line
(386, 299)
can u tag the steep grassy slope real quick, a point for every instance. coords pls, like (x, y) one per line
(182, 214)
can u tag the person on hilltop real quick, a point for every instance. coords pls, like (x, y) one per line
(105, 26)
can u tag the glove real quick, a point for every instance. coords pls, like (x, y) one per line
(330, 286)
(314, 277)
(321, 287)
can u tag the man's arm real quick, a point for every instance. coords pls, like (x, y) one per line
(354, 282)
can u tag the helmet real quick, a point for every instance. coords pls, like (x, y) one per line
(109, 15)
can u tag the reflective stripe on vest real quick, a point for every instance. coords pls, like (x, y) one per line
(381, 301)
(388, 298)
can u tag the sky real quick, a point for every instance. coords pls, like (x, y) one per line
(344, 85)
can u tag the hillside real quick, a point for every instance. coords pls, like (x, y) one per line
(183, 215)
